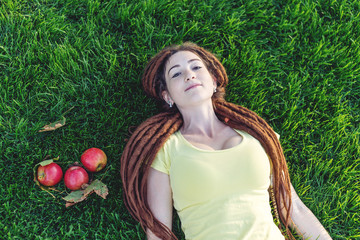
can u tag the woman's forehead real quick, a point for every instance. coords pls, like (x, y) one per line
(179, 57)
(183, 54)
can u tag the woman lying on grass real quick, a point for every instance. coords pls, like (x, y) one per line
(217, 163)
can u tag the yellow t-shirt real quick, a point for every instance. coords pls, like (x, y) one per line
(221, 194)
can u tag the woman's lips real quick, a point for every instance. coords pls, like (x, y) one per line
(192, 86)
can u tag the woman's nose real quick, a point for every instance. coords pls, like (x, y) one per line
(190, 75)
(188, 78)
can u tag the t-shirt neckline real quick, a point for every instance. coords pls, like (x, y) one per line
(214, 151)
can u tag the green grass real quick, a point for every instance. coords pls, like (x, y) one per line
(296, 63)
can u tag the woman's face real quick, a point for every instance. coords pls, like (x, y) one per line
(188, 81)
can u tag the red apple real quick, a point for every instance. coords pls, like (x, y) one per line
(94, 159)
(75, 177)
(49, 175)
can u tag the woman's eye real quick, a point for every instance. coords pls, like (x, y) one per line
(175, 75)
(196, 67)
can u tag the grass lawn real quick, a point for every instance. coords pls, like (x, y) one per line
(294, 62)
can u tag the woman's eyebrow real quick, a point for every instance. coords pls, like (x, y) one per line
(177, 65)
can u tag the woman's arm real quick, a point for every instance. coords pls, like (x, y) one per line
(304, 221)
(159, 197)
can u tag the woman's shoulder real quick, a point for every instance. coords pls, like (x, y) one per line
(248, 134)
(173, 141)
(162, 161)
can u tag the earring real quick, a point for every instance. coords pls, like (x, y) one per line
(214, 90)
(170, 104)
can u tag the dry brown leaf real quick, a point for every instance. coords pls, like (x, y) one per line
(53, 126)
(80, 195)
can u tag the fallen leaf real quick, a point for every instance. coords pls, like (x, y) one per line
(80, 195)
(75, 196)
(46, 162)
(53, 126)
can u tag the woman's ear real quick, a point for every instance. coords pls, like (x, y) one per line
(215, 82)
(166, 96)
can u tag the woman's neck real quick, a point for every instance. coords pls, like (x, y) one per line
(200, 120)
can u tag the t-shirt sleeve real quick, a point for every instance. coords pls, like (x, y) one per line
(277, 135)
(162, 161)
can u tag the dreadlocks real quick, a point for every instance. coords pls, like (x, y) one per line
(151, 135)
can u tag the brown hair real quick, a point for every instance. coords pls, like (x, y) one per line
(151, 135)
